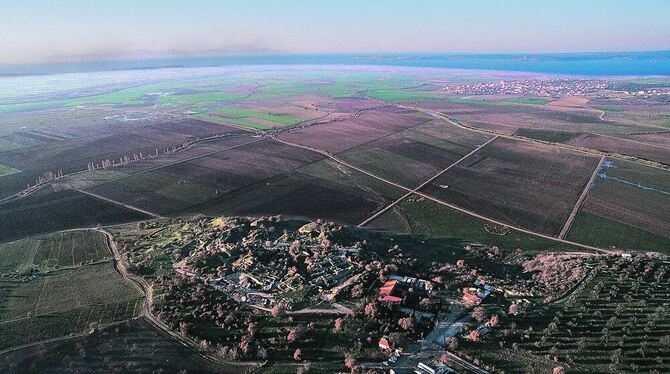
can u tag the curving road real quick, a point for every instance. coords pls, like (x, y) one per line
(145, 289)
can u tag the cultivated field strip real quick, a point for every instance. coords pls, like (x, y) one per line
(422, 185)
(452, 206)
(66, 286)
(66, 249)
(581, 199)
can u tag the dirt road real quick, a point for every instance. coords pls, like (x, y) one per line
(449, 205)
(580, 201)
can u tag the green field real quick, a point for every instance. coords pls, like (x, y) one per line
(49, 252)
(526, 100)
(250, 114)
(401, 95)
(7, 145)
(231, 121)
(7, 170)
(592, 229)
(199, 98)
(52, 303)
(424, 217)
(467, 101)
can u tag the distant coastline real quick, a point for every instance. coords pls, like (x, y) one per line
(652, 63)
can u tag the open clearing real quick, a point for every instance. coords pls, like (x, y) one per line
(522, 183)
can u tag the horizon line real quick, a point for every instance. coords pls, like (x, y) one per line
(175, 54)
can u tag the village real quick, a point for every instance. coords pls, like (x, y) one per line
(403, 315)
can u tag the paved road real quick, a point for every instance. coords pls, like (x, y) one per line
(445, 328)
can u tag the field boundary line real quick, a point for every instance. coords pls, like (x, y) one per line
(631, 141)
(582, 198)
(32, 189)
(376, 215)
(119, 203)
(174, 163)
(452, 206)
(590, 151)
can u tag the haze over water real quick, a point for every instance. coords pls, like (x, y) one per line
(587, 64)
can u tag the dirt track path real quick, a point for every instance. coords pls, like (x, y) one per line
(120, 203)
(422, 185)
(580, 201)
(145, 289)
(449, 205)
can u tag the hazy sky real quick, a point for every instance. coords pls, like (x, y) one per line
(41, 30)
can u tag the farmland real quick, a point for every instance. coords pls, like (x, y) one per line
(368, 126)
(58, 211)
(622, 144)
(323, 189)
(72, 155)
(418, 216)
(600, 231)
(526, 184)
(7, 170)
(193, 182)
(618, 322)
(40, 301)
(412, 156)
(133, 345)
(50, 252)
(223, 186)
(630, 195)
